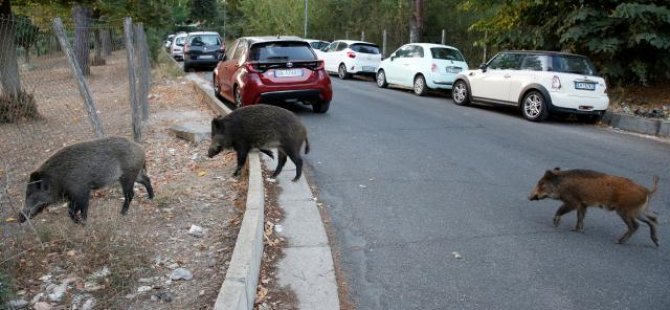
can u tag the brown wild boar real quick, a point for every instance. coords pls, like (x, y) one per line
(579, 189)
(260, 126)
(75, 170)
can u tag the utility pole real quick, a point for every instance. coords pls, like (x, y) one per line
(224, 19)
(306, 5)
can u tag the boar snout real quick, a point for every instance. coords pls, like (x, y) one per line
(533, 196)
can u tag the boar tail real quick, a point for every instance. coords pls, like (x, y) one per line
(655, 186)
(306, 145)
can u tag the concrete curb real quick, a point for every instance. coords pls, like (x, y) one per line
(238, 290)
(648, 126)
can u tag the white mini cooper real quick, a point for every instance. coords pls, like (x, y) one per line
(538, 82)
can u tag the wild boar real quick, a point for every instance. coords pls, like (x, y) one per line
(72, 172)
(260, 126)
(579, 189)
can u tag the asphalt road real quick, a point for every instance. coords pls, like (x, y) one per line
(411, 183)
(428, 202)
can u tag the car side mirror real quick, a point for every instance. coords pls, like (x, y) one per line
(483, 67)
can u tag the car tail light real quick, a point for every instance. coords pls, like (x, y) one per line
(433, 68)
(222, 49)
(351, 54)
(319, 65)
(187, 48)
(555, 83)
(251, 67)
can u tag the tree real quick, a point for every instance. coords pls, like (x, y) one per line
(416, 21)
(25, 34)
(9, 68)
(82, 16)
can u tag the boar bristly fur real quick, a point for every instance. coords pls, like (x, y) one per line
(72, 172)
(260, 126)
(579, 189)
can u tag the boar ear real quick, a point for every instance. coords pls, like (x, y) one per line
(557, 169)
(35, 176)
(549, 173)
(217, 124)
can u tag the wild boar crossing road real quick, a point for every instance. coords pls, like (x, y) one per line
(429, 206)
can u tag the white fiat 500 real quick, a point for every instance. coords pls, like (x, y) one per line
(540, 83)
(346, 57)
(421, 67)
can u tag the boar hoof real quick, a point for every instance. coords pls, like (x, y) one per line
(557, 221)
(578, 229)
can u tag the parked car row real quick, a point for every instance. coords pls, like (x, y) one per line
(196, 49)
(266, 69)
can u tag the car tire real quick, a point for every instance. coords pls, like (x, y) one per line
(187, 68)
(215, 86)
(238, 97)
(534, 107)
(320, 106)
(460, 93)
(420, 87)
(381, 79)
(342, 72)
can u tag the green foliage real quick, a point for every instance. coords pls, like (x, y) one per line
(629, 41)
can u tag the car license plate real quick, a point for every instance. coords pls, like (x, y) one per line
(288, 73)
(585, 86)
(454, 69)
(368, 69)
(206, 57)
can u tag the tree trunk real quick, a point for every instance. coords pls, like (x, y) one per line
(9, 68)
(82, 22)
(416, 21)
(106, 35)
(98, 59)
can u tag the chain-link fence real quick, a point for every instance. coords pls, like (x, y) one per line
(49, 100)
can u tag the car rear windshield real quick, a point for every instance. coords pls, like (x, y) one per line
(572, 64)
(365, 48)
(281, 51)
(446, 53)
(206, 39)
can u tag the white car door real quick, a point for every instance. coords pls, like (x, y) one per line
(328, 57)
(394, 68)
(493, 82)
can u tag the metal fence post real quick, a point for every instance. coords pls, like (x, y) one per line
(130, 53)
(444, 36)
(79, 77)
(384, 43)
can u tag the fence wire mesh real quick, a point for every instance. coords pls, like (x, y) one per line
(42, 108)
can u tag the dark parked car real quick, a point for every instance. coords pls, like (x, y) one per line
(272, 69)
(202, 49)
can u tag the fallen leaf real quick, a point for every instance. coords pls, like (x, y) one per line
(10, 220)
(202, 173)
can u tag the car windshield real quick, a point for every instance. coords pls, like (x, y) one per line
(202, 40)
(572, 64)
(180, 40)
(365, 48)
(281, 51)
(446, 53)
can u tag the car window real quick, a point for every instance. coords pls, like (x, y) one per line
(332, 47)
(506, 61)
(179, 40)
(446, 53)
(202, 40)
(341, 46)
(239, 51)
(365, 48)
(281, 52)
(572, 64)
(318, 45)
(416, 52)
(230, 52)
(532, 62)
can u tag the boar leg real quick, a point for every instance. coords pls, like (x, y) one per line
(297, 160)
(581, 213)
(651, 221)
(144, 180)
(281, 161)
(78, 206)
(268, 153)
(565, 208)
(632, 227)
(242, 153)
(127, 183)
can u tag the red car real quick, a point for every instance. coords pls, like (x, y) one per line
(272, 69)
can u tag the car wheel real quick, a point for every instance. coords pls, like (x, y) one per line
(342, 72)
(420, 88)
(381, 79)
(320, 106)
(534, 107)
(187, 68)
(238, 97)
(460, 93)
(215, 85)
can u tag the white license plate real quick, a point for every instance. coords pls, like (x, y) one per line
(368, 69)
(585, 86)
(288, 73)
(206, 57)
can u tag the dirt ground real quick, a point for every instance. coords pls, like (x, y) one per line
(125, 262)
(651, 101)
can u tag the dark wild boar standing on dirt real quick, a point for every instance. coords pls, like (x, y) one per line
(260, 126)
(72, 172)
(579, 189)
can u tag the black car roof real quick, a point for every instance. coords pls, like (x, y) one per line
(260, 39)
(541, 52)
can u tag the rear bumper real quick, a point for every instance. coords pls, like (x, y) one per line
(578, 105)
(201, 62)
(284, 95)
